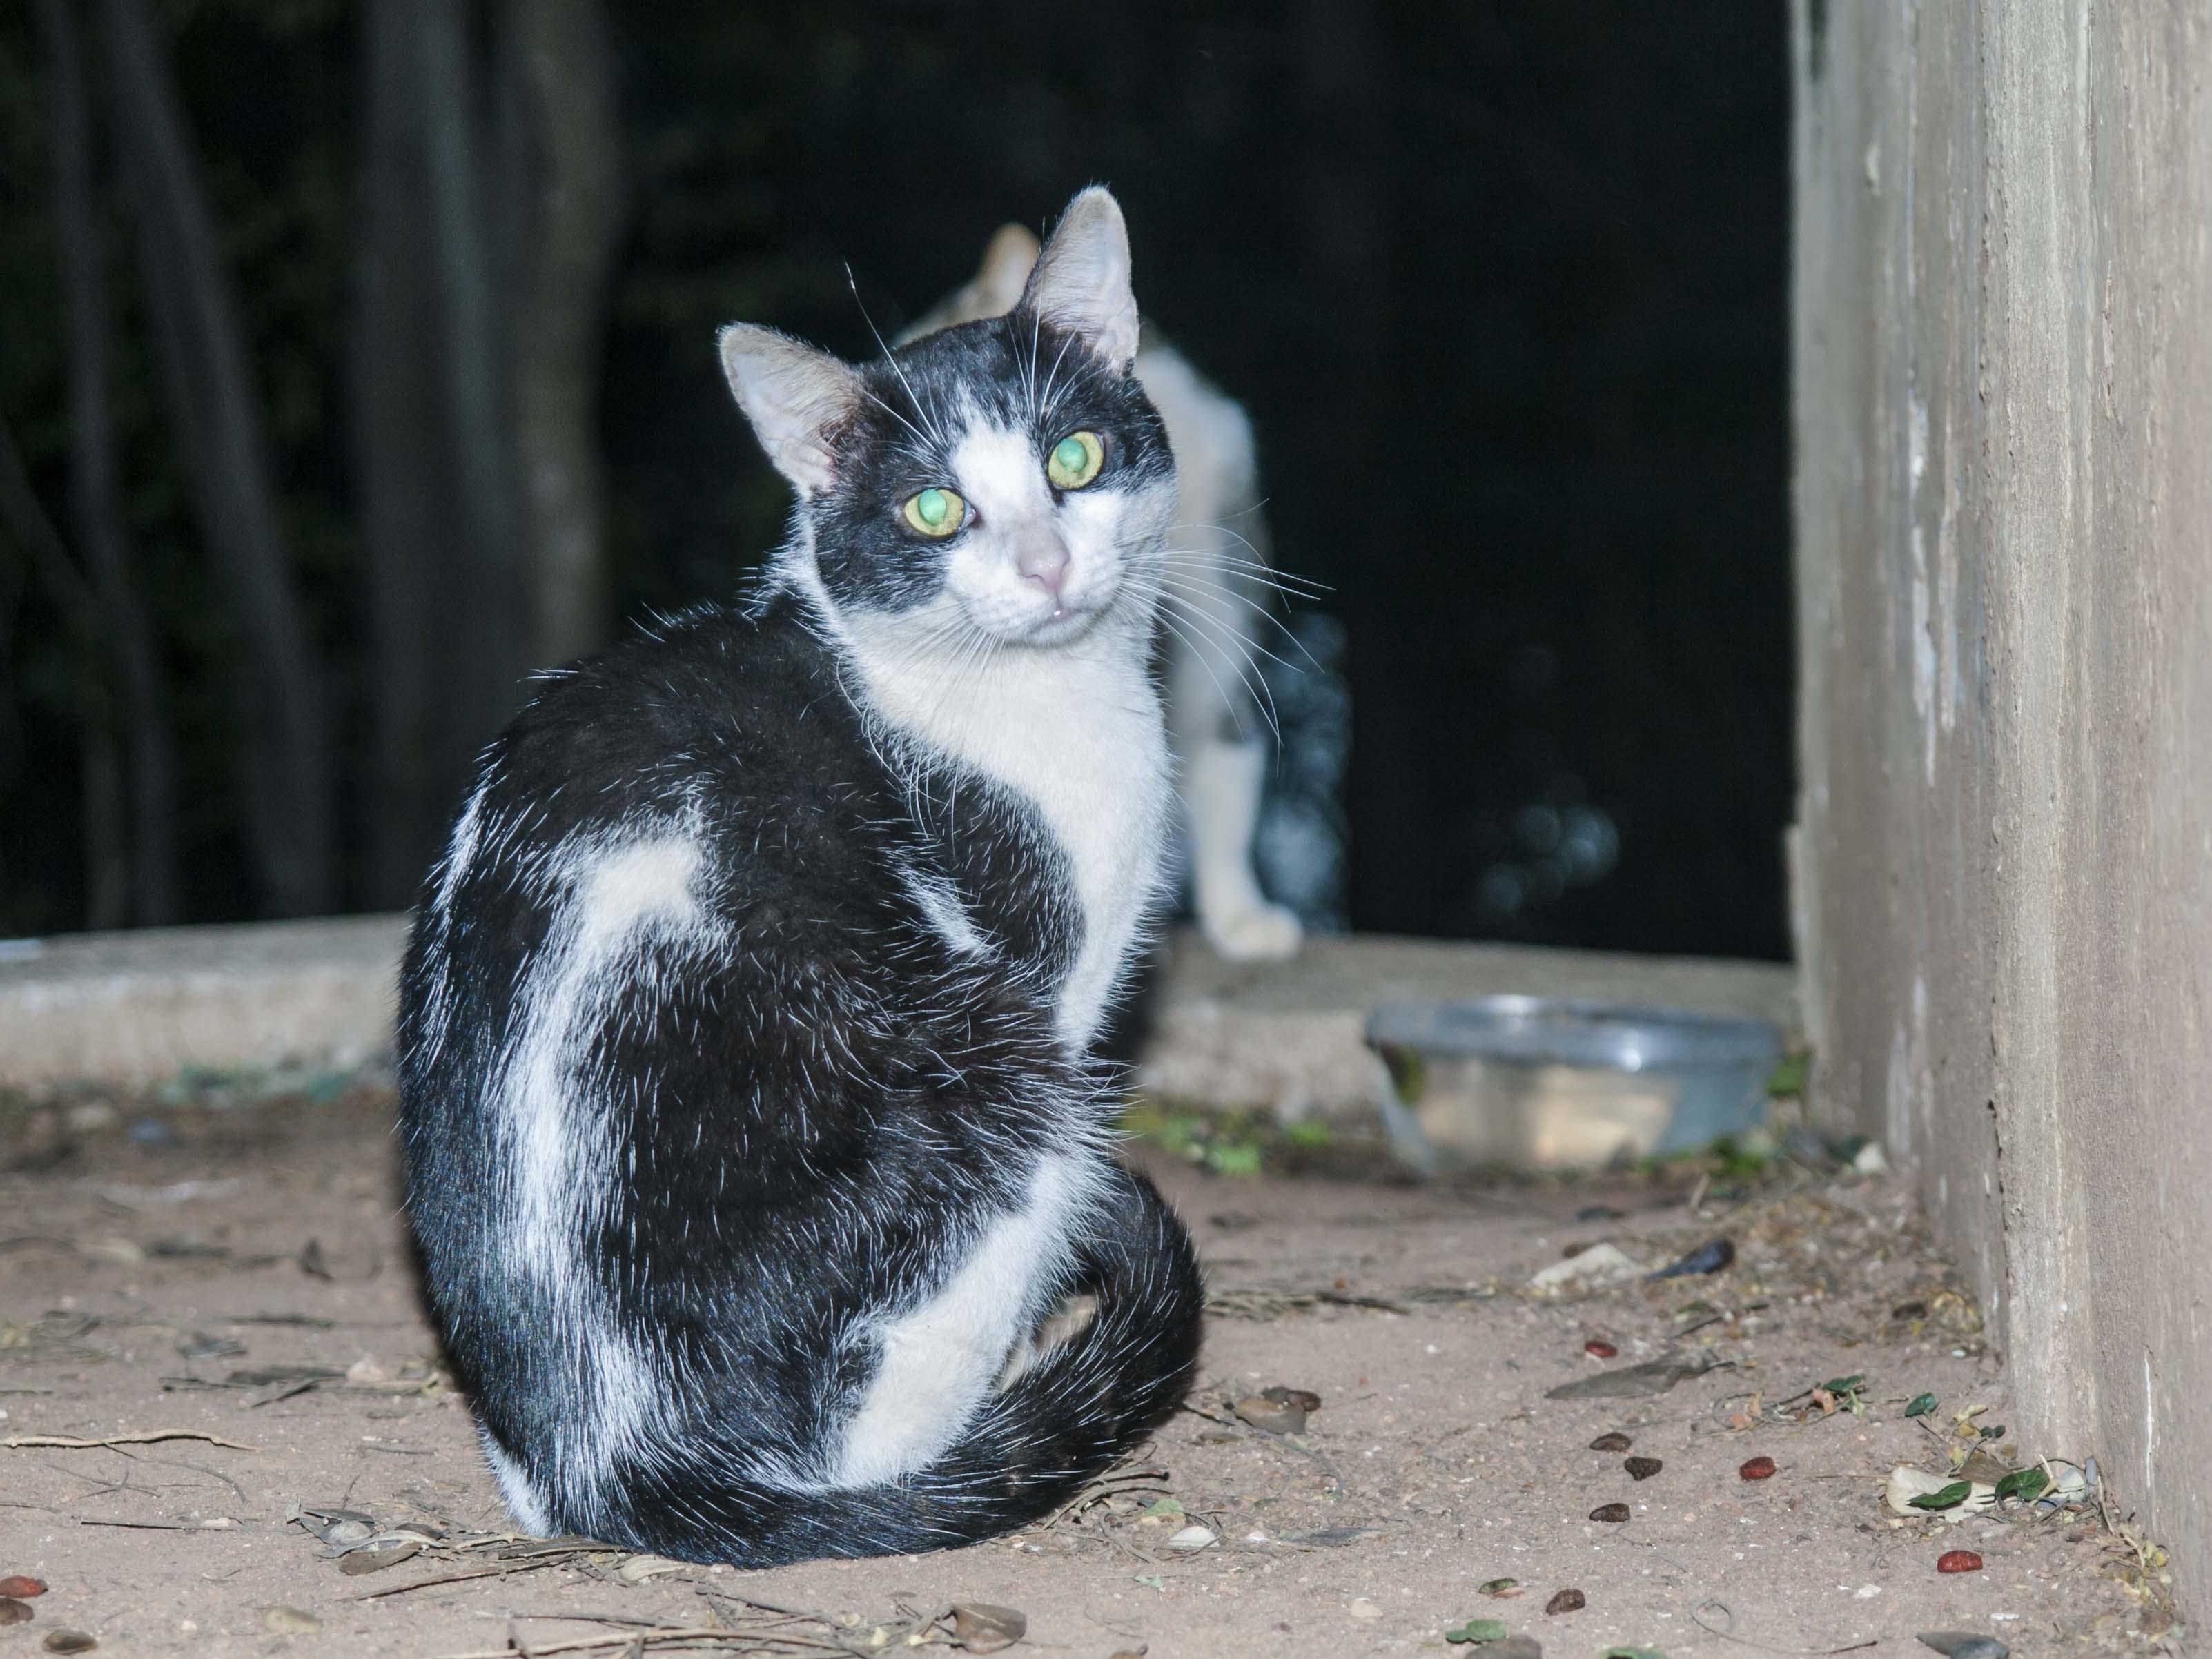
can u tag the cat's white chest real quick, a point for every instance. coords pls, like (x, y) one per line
(1078, 734)
(1096, 767)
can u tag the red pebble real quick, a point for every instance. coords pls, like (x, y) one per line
(1759, 1468)
(1600, 1349)
(22, 1588)
(1958, 1561)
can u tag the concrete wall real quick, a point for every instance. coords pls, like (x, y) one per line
(2003, 414)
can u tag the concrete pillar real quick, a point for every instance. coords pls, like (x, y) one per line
(2002, 339)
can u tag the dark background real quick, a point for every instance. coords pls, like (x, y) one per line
(1501, 285)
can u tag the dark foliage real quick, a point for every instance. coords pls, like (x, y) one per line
(1503, 284)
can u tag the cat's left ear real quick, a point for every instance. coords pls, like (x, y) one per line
(1081, 282)
(796, 396)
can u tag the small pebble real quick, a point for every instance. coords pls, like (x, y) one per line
(1643, 1468)
(1982, 1646)
(1758, 1469)
(1192, 1537)
(1958, 1561)
(1304, 1399)
(1567, 1601)
(1598, 1348)
(1711, 1257)
(290, 1621)
(70, 1641)
(13, 1612)
(1515, 1647)
(1614, 1441)
(1619, 1512)
(22, 1586)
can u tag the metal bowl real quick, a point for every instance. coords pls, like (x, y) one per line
(1554, 1083)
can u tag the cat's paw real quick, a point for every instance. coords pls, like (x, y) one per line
(1256, 932)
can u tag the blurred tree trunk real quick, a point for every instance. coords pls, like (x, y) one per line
(97, 509)
(106, 853)
(411, 521)
(217, 415)
(565, 173)
(492, 199)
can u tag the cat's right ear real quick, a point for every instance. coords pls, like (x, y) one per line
(1081, 283)
(796, 397)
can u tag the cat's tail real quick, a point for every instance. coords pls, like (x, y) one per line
(1032, 1446)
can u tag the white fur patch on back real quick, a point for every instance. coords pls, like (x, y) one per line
(941, 905)
(616, 896)
(514, 1488)
(460, 852)
(939, 1361)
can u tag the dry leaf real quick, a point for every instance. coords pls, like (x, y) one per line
(982, 1627)
(640, 1567)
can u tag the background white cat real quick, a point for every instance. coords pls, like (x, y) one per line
(1218, 597)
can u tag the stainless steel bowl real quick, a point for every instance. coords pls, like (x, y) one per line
(1554, 1083)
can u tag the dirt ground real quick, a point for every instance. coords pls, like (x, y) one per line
(147, 1288)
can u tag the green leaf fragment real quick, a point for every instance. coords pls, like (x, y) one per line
(1787, 1077)
(2026, 1484)
(1994, 1431)
(1478, 1630)
(1230, 1160)
(1949, 1498)
(1162, 1506)
(1842, 1384)
(1499, 1586)
(1922, 1405)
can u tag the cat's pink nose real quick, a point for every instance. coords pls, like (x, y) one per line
(1045, 563)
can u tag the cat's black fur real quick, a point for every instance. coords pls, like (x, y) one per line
(677, 956)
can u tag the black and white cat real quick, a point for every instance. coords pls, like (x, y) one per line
(764, 1183)
(1217, 591)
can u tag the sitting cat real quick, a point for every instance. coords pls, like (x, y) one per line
(764, 1183)
(1217, 595)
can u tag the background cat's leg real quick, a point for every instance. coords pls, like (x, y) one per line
(1222, 782)
(1218, 603)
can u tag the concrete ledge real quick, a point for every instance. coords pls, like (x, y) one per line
(1287, 1035)
(132, 1009)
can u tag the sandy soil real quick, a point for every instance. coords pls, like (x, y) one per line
(1436, 1463)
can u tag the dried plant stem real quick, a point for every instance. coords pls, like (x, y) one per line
(71, 1443)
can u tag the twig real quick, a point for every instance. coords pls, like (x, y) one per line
(202, 1469)
(1727, 1633)
(71, 1443)
(463, 1578)
(1293, 1442)
(685, 1633)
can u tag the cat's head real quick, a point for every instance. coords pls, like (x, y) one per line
(1006, 476)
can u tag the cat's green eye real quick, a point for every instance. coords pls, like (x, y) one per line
(1075, 460)
(935, 511)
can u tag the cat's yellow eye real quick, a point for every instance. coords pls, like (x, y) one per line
(935, 511)
(1075, 460)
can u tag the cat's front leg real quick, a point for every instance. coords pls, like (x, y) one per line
(1222, 791)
